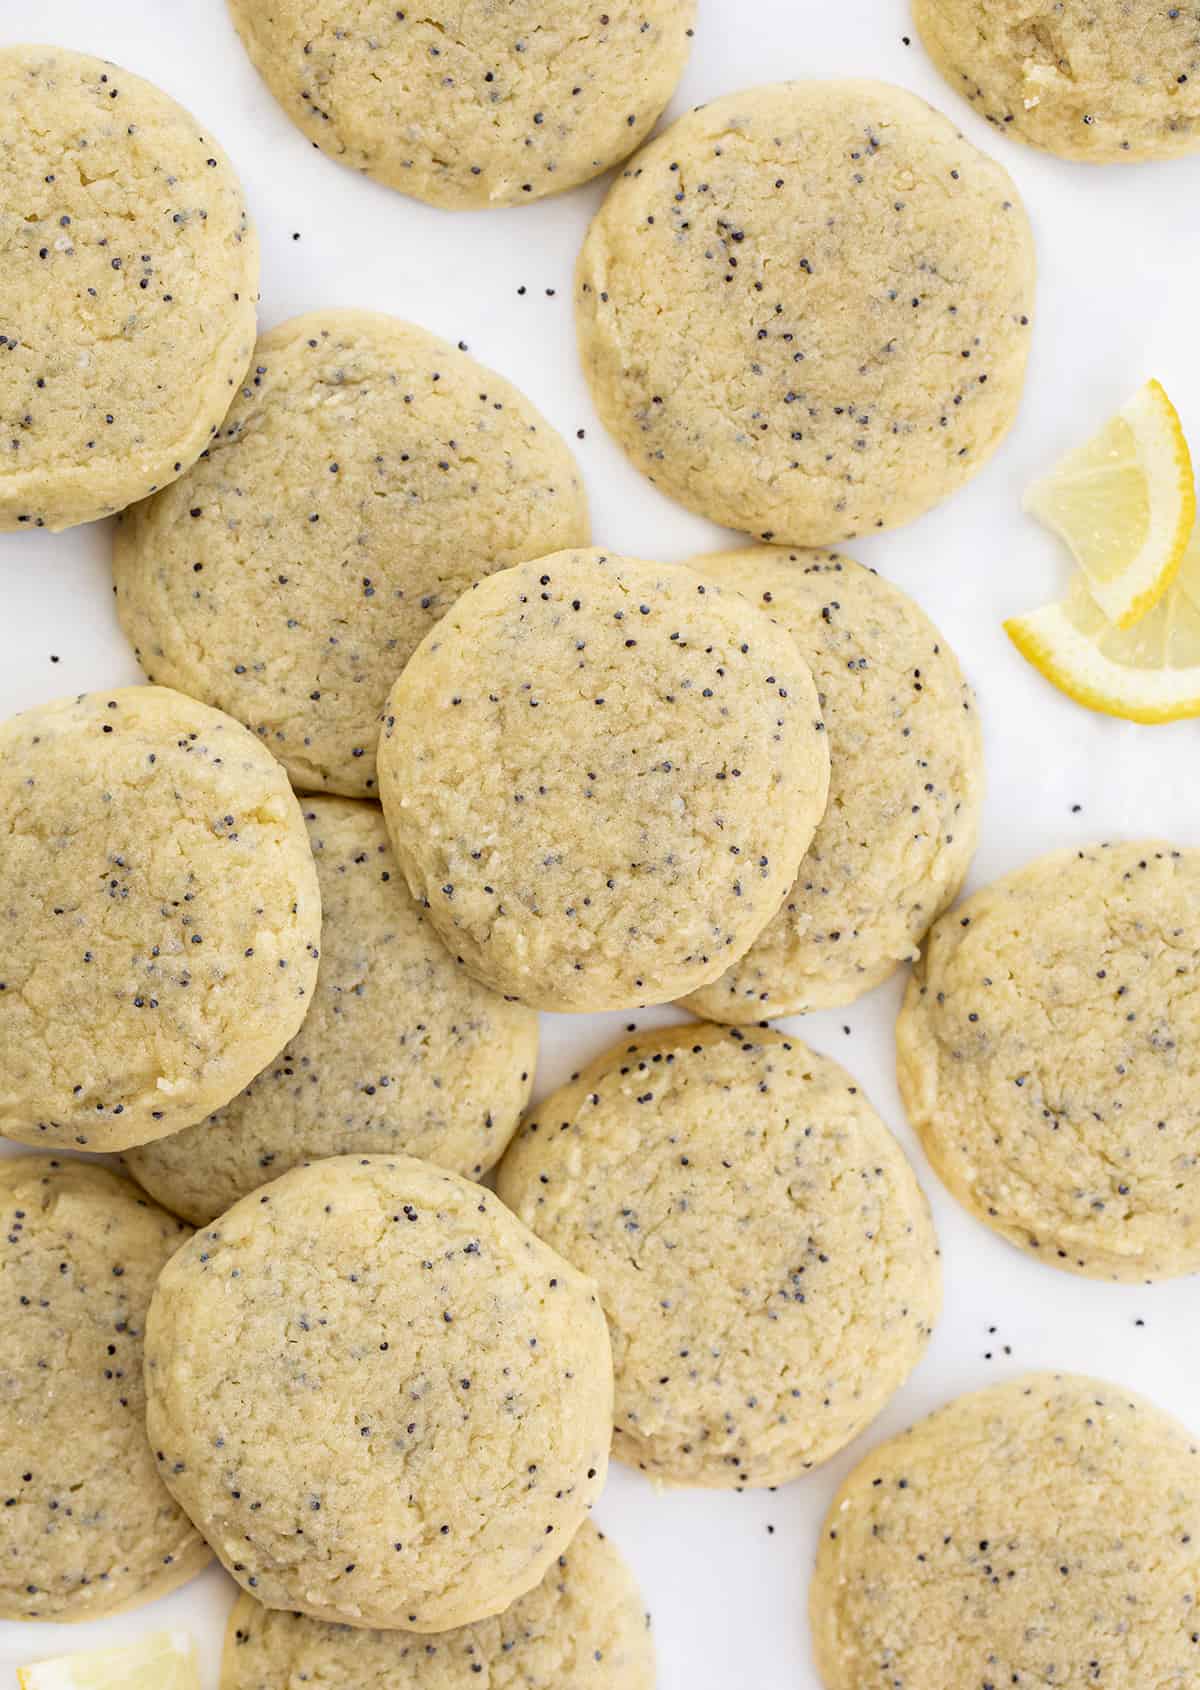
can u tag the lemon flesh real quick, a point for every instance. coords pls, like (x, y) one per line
(1147, 673)
(1125, 504)
(162, 1660)
(1189, 569)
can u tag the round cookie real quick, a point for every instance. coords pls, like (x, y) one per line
(492, 105)
(1043, 1531)
(1046, 1054)
(582, 1628)
(762, 1250)
(804, 309)
(86, 1527)
(905, 786)
(366, 474)
(400, 1050)
(381, 1399)
(130, 280)
(160, 917)
(1105, 81)
(600, 776)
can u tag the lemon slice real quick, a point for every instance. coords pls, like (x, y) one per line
(162, 1660)
(1147, 673)
(1189, 568)
(1125, 504)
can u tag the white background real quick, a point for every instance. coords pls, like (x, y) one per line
(1119, 252)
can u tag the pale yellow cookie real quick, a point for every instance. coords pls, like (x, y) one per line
(1106, 81)
(473, 104)
(130, 279)
(1043, 1532)
(1047, 1055)
(600, 775)
(160, 918)
(366, 474)
(804, 309)
(382, 1400)
(400, 1050)
(582, 1628)
(763, 1252)
(86, 1525)
(905, 787)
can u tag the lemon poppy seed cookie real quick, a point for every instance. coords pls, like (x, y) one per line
(804, 309)
(1043, 1531)
(475, 104)
(905, 788)
(762, 1250)
(366, 474)
(600, 775)
(582, 1628)
(383, 1401)
(1105, 81)
(86, 1526)
(1046, 1054)
(130, 280)
(400, 1050)
(160, 920)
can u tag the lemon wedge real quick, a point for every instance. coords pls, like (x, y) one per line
(1125, 504)
(1147, 673)
(162, 1660)
(1189, 568)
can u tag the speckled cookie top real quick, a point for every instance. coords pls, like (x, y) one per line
(905, 787)
(160, 921)
(1047, 1056)
(1106, 81)
(600, 775)
(469, 103)
(1043, 1532)
(582, 1628)
(86, 1527)
(804, 309)
(764, 1255)
(381, 1398)
(130, 278)
(401, 1050)
(366, 474)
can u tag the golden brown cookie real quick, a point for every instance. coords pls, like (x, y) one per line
(379, 1396)
(803, 310)
(763, 1252)
(600, 776)
(1044, 1531)
(130, 281)
(1046, 1055)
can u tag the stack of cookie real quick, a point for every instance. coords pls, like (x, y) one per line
(417, 761)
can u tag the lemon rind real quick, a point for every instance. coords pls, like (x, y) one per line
(1183, 486)
(1060, 653)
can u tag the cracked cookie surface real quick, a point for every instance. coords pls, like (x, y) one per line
(1105, 81)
